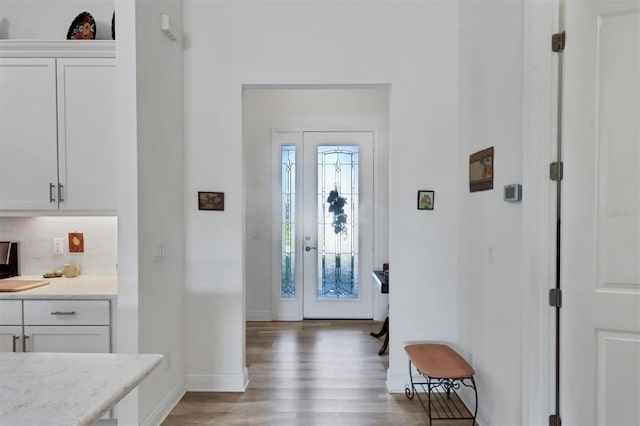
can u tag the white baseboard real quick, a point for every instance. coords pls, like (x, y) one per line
(288, 318)
(258, 315)
(164, 407)
(397, 382)
(217, 382)
(483, 418)
(379, 316)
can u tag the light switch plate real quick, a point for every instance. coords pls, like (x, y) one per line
(58, 247)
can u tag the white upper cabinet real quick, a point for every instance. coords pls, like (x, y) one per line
(57, 130)
(86, 134)
(28, 141)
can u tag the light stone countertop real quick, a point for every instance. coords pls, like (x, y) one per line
(80, 287)
(64, 389)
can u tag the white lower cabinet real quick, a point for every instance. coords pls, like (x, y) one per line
(10, 312)
(55, 325)
(10, 325)
(10, 338)
(66, 312)
(72, 338)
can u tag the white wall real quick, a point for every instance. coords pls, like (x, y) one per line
(231, 44)
(160, 203)
(310, 108)
(490, 290)
(411, 46)
(35, 243)
(127, 332)
(539, 212)
(21, 19)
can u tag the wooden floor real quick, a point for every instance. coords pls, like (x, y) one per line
(308, 373)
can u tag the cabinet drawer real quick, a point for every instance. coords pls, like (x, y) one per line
(66, 312)
(10, 312)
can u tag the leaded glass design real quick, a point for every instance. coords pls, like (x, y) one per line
(287, 220)
(338, 275)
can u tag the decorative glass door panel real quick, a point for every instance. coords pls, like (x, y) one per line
(286, 278)
(337, 224)
(288, 222)
(338, 272)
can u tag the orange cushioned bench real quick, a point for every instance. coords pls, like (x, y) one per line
(445, 371)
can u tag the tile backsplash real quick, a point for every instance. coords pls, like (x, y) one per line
(35, 240)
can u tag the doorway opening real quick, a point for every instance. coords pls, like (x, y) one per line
(335, 120)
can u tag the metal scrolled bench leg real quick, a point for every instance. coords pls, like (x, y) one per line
(410, 391)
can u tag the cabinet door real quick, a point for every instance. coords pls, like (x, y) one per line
(28, 152)
(84, 339)
(10, 338)
(86, 133)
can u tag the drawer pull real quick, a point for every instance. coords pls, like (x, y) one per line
(24, 343)
(15, 338)
(63, 313)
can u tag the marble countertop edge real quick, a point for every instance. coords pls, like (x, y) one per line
(67, 388)
(92, 415)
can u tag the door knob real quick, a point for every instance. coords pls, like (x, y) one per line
(307, 248)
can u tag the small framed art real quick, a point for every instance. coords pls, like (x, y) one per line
(481, 170)
(210, 200)
(76, 242)
(425, 200)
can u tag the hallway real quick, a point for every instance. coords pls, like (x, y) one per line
(307, 373)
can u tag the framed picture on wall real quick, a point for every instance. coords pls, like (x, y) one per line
(425, 199)
(481, 170)
(210, 200)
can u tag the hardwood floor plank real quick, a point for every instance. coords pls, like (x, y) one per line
(317, 372)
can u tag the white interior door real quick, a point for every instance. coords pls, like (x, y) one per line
(600, 324)
(337, 243)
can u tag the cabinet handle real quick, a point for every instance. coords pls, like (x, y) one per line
(51, 198)
(14, 342)
(63, 313)
(24, 343)
(60, 186)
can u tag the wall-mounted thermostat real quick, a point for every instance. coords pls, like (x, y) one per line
(513, 192)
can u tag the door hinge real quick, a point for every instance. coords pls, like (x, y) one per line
(557, 42)
(555, 298)
(556, 170)
(554, 420)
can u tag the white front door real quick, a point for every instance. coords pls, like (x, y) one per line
(337, 224)
(600, 315)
